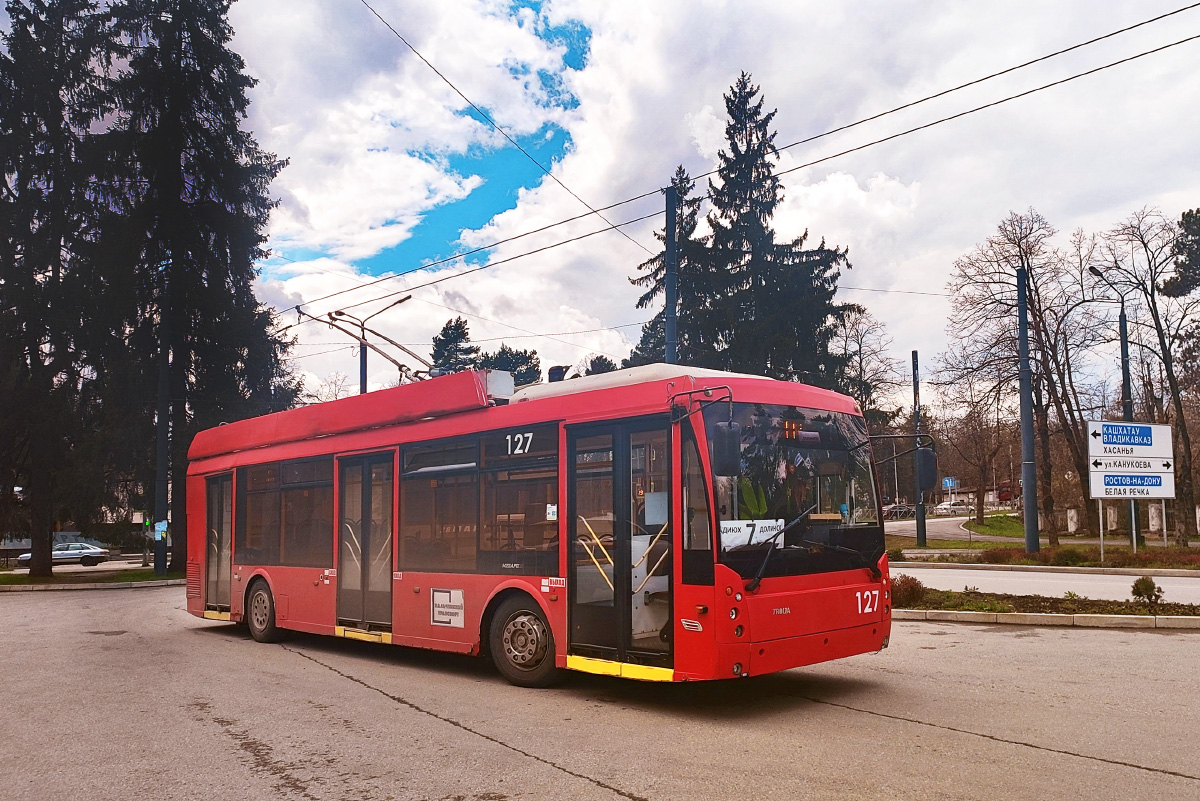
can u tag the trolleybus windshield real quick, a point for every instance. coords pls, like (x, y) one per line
(809, 470)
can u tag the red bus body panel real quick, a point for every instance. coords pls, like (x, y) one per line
(823, 620)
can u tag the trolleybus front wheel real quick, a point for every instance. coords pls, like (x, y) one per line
(260, 613)
(522, 645)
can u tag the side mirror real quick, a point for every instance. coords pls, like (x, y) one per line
(726, 441)
(927, 469)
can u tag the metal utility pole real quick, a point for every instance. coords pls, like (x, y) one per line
(672, 259)
(1028, 467)
(1126, 395)
(919, 491)
(163, 431)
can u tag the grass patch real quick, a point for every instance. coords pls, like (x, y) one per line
(91, 577)
(910, 543)
(1000, 525)
(974, 601)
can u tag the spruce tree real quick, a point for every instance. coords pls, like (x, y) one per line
(773, 311)
(598, 363)
(525, 365)
(53, 94)
(452, 348)
(193, 218)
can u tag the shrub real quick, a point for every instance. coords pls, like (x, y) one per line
(1145, 590)
(907, 591)
(1068, 556)
(895, 555)
(997, 556)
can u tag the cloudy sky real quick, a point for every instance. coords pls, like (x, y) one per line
(391, 169)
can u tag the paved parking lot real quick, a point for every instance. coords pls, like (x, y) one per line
(121, 694)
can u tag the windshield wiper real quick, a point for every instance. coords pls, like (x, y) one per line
(754, 582)
(874, 568)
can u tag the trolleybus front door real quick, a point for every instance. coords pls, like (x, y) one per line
(218, 561)
(364, 570)
(620, 558)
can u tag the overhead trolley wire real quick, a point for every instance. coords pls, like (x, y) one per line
(612, 226)
(992, 104)
(807, 140)
(497, 128)
(489, 265)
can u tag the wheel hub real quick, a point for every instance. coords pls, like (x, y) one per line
(258, 610)
(525, 641)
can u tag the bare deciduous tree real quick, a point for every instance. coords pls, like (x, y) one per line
(871, 376)
(1141, 259)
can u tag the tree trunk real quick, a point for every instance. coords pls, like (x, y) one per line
(41, 513)
(1045, 473)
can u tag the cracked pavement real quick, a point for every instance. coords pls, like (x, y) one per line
(121, 694)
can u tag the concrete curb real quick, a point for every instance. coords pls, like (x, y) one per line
(898, 567)
(102, 585)
(1042, 619)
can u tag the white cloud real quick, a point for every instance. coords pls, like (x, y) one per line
(370, 131)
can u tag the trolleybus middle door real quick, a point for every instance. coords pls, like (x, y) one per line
(620, 557)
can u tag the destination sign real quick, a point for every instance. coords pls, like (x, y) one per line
(1138, 440)
(1136, 486)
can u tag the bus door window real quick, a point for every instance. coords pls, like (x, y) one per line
(593, 590)
(697, 533)
(365, 542)
(220, 536)
(650, 541)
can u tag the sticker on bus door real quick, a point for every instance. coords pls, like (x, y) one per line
(446, 608)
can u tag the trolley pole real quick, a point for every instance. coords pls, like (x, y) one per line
(1028, 471)
(671, 280)
(919, 491)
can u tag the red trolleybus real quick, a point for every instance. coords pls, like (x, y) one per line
(661, 523)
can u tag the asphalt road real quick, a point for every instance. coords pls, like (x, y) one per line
(1090, 585)
(119, 694)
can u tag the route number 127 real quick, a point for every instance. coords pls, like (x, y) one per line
(519, 443)
(867, 601)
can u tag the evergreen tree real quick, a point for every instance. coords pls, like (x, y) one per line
(53, 94)
(598, 363)
(192, 222)
(652, 345)
(773, 311)
(1186, 253)
(525, 365)
(696, 283)
(452, 348)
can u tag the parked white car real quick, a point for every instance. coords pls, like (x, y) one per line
(959, 507)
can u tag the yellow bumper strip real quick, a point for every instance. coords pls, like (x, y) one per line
(365, 636)
(604, 667)
(209, 615)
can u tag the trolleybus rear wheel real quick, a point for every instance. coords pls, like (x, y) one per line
(260, 613)
(522, 644)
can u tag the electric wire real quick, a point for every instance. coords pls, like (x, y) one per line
(807, 140)
(836, 155)
(993, 104)
(612, 226)
(497, 127)
(487, 266)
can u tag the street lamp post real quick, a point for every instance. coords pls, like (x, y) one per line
(1126, 390)
(362, 343)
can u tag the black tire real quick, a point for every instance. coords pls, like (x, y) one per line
(522, 645)
(260, 613)
(87, 561)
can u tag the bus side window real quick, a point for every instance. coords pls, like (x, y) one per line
(697, 525)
